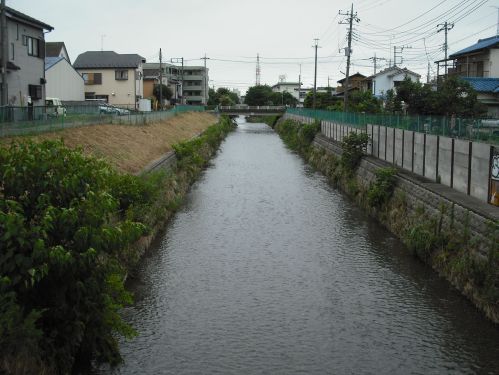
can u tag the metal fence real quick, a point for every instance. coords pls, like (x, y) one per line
(30, 120)
(484, 130)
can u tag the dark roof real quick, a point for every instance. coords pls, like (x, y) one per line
(484, 84)
(353, 75)
(481, 44)
(53, 49)
(394, 68)
(51, 61)
(15, 14)
(107, 59)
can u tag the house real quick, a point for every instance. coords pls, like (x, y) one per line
(56, 49)
(390, 78)
(112, 77)
(25, 66)
(487, 93)
(354, 83)
(292, 88)
(63, 81)
(151, 78)
(191, 82)
(478, 60)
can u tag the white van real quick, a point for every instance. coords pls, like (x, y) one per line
(55, 107)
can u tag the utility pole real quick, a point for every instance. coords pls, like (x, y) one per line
(160, 80)
(396, 55)
(375, 60)
(316, 45)
(176, 60)
(205, 80)
(428, 74)
(4, 54)
(351, 16)
(445, 27)
(258, 71)
(299, 86)
(328, 79)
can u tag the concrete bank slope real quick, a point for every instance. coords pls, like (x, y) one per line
(463, 229)
(130, 148)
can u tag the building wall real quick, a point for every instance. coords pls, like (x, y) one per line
(64, 82)
(292, 89)
(385, 82)
(494, 63)
(119, 92)
(32, 68)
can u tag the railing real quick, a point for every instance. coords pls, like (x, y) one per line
(486, 130)
(29, 120)
(259, 108)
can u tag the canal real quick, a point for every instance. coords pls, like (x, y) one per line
(269, 270)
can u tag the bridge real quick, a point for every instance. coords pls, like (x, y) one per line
(236, 110)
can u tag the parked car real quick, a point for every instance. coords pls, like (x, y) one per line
(105, 108)
(54, 107)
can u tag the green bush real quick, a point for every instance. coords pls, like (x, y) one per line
(353, 147)
(60, 241)
(382, 188)
(298, 136)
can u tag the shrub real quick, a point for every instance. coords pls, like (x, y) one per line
(382, 188)
(353, 147)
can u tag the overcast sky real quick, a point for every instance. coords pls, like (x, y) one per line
(232, 32)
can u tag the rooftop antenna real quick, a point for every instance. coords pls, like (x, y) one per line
(102, 36)
(258, 71)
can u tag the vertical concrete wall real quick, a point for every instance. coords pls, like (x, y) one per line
(445, 161)
(399, 147)
(461, 160)
(390, 145)
(430, 170)
(408, 151)
(480, 164)
(419, 153)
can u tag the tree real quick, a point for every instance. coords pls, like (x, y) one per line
(166, 91)
(222, 96)
(364, 101)
(259, 95)
(323, 100)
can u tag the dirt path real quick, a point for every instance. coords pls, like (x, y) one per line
(130, 148)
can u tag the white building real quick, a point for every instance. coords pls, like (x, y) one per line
(63, 81)
(290, 87)
(390, 78)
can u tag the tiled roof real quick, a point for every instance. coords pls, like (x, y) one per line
(352, 76)
(484, 84)
(51, 61)
(12, 13)
(107, 59)
(481, 44)
(53, 48)
(395, 69)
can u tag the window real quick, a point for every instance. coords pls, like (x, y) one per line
(92, 78)
(25, 40)
(17, 31)
(35, 91)
(33, 46)
(121, 75)
(12, 51)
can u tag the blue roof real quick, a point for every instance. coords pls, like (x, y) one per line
(51, 61)
(481, 44)
(483, 84)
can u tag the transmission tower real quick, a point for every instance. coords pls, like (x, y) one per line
(258, 70)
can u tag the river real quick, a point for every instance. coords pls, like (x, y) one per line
(269, 270)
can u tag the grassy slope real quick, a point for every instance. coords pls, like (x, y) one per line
(130, 148)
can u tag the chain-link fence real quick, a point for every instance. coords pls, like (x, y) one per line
(30, 120)
(484, 130)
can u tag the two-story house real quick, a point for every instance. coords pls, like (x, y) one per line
(112, 77)
(389, 79)
(354, 83)
(25, 66)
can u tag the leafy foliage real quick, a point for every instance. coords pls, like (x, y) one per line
(223, 96)
(353, 147)
(323, 100)
(59, 245)
(166, 92)
(298, 136)
(382, 188)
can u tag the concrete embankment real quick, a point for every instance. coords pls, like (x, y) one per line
(455, 233)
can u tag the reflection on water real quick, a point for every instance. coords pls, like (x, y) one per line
(268, 270)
